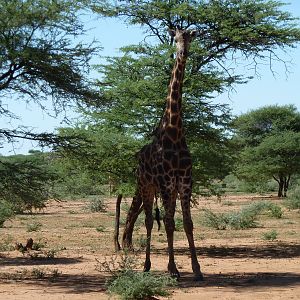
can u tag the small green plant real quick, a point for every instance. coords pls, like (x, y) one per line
(179, 224)
(51, 253)
(227, 203)
(97, 205)
(270, 235)
(35, 226)
(214, 220)
(38, 245)
(130, 284)
(38, 273)
(100, 228)
(55, 274)
(142, 242)
(6, 244)
(275, 211)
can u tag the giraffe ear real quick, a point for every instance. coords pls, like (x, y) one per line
(172, 32)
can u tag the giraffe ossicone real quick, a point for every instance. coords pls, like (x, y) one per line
(165, 167)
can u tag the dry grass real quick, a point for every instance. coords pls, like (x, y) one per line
(73, 232)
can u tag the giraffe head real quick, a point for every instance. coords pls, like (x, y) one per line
(183, 39)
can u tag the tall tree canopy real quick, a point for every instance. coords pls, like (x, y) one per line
(134, 85)
(41, 59)
(269, 139)
(229, 30)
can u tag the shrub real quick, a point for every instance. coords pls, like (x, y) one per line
(270, 235)
(97, 205)
(6, 211)
(293, 201)
(6, 243)
(245, 218)
(241, 220)
(130, 284)
(214, 220)
(100, 228)
(140, 285)
(35, 226)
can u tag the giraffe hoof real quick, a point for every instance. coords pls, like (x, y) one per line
(175, 275)
(199, 277)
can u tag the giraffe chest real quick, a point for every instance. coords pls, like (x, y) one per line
(160, 163)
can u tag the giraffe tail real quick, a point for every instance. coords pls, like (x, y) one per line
(157, 213)
(117, 224)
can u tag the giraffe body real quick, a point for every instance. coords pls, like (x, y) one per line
(165, 166)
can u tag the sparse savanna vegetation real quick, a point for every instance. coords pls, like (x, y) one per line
(247, 232)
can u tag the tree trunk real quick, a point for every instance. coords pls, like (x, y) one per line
(117, 224)
(286, 185)
(281, 186)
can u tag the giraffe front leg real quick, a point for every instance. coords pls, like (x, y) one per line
(188, 228)
(148, 204)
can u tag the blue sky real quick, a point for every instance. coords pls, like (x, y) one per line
(278, 88)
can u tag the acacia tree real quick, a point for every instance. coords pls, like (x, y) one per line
(42, 59)
(106, 155)
(269, 139)
(134, 86)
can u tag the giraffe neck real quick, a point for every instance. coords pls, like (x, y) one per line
(172, 119)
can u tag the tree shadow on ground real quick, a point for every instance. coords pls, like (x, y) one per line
(27, 261)
(276, 250)
(89, 283)
(83, 283)
(241, 280)
(64, 283)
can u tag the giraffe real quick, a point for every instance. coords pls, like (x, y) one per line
(165, 167)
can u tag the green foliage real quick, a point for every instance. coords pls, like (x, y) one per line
(141, 242)
(270, 235)
(97, 205)
(128, 283)
(38, 273)
(243, 219)
(214, 220)
(100, 228)
(6, 243)
(234, 184)
(140, 285)
(179, 224)
(39, 58)
(106, 156)
(34, 226)
(269, 139)
(293, 201)
(6, 211)
(26, 181)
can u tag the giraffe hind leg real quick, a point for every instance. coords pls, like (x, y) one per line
(133, 213)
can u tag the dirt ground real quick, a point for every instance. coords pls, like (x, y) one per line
(237, 264)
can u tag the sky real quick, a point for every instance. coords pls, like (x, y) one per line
(279, 87)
